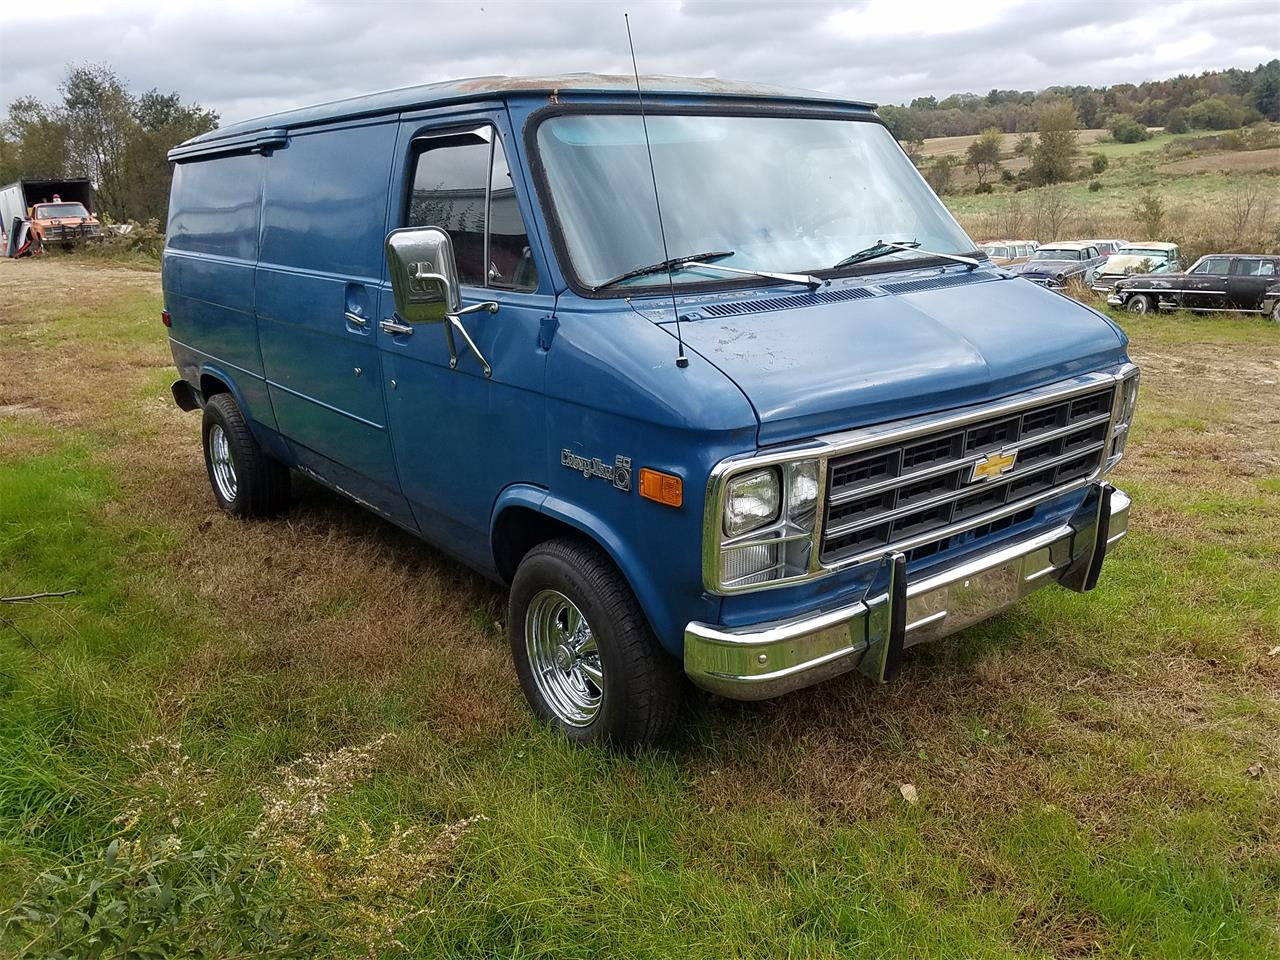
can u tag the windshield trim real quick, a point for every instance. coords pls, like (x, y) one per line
(659, 286)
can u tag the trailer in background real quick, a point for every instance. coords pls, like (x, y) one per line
(35, 212)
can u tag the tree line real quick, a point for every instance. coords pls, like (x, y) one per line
(1213, 100)
(99, 129)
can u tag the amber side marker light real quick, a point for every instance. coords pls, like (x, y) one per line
(661, 487)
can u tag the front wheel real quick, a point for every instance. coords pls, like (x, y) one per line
(1275, 312)
(587, 660)
(1139, 303)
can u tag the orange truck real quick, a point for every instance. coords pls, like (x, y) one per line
(34, 213)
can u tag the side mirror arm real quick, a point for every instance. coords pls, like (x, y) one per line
(454, 322)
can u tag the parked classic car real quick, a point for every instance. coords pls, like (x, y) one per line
(1219, 282)
(1108, 247)
(1135, 258)
(1007, 253)
(1054, 264)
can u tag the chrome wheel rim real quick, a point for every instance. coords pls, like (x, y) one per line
(224, 470)
(564, 658)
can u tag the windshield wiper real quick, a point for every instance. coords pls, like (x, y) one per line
(882, 248)
(663, 266)
(810, 281)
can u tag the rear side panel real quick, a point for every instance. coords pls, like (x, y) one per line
(321, 265)
(209, 261)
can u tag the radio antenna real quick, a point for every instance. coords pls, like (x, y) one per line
(681, 359)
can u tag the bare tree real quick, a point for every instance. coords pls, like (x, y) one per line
(1246, 210)
(1011, 219)
(1049, 213)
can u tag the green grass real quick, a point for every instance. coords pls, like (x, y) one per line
(1081, 762)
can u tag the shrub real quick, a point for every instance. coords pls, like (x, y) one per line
(1231, 140)
(1098, 162)
(150, 898)
(939, 174)
(984, 188)
(287, 889)
(1261, 136)
(1006, 176)
(1149, 211)
(1214, 113)
(1176, 121)
(129, 241)
(1095, 186)
(1125, 129)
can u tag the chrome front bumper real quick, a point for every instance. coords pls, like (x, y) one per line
(767, 659)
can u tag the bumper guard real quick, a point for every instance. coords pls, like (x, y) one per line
(768, 659)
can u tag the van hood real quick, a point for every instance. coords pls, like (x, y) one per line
(810, 367)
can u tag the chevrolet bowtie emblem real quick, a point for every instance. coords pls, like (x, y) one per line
(994, 465)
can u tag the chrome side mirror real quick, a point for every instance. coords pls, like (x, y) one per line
(424, 280)
(424, 274)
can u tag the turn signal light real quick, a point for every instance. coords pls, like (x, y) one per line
(165, 318)
(661, 487)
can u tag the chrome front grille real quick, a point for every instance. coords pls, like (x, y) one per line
(920, 489)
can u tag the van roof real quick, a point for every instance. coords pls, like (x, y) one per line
(487, 88)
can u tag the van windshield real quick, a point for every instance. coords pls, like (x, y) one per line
(782, 193)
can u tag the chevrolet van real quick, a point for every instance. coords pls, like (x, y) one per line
(785, 433)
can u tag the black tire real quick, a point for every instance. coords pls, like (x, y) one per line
(642, 685)
(1140, 303)
(259, 485)
(1275, 312)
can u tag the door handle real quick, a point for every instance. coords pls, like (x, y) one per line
(355, 318)
(391, 326)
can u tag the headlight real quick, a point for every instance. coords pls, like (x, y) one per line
(1128, 403)
(767, 525)
(751, 501)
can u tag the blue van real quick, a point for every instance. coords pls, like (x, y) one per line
(798, 427)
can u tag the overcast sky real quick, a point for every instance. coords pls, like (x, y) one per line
(244, 58)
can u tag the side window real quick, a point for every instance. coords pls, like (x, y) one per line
(1255, 268)
(1213, 265)
(463, 185)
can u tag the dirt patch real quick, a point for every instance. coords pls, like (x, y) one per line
(1228, 161)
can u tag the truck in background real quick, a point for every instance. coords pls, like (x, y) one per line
(36, 212)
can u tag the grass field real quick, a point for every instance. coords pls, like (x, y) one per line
(306, 736)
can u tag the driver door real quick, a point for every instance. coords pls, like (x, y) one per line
(1206, 284)
(459, 435)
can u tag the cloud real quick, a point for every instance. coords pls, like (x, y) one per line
(248, 58)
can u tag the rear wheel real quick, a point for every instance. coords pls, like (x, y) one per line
(1139, 303)
(587, 660)
(246, 481)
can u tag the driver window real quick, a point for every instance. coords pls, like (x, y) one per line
(463, 185)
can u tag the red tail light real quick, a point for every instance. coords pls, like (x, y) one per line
(165, 318)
